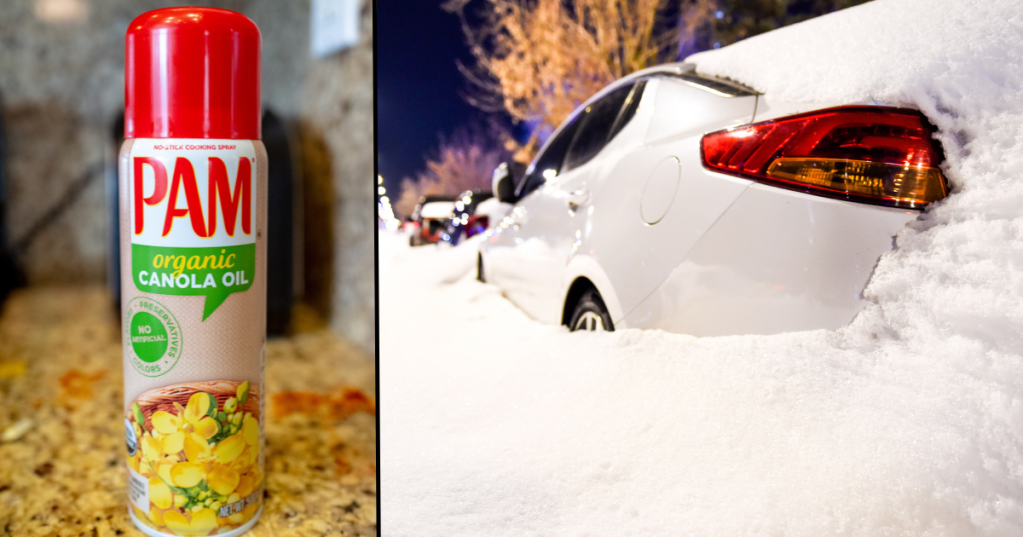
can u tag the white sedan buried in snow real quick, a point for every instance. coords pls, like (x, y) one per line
(676, 201)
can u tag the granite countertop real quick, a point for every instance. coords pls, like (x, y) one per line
(62, 446)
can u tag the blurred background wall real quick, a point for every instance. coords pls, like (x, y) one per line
(62, 88)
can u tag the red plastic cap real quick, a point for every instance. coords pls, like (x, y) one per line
(192, 72)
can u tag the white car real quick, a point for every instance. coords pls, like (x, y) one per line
(493, 210)
(677, 201)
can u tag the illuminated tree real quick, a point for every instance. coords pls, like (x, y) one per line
(465, 161)
(537, 60)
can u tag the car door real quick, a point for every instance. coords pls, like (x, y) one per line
(637, 251)
(546, 220)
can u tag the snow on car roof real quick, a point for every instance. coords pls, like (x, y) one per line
(907, 422)
(437, 209)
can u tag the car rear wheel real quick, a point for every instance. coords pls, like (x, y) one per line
(479, 268)
(590, 314)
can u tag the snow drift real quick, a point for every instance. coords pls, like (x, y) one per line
(907, 422)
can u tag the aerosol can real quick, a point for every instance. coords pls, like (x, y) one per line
(193, 198)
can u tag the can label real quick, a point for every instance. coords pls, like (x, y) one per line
(192, 370)
(193, 218)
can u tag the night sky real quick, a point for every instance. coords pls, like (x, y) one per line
(419, 86)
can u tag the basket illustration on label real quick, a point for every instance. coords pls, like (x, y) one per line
(196, 469)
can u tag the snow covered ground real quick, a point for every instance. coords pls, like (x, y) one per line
(907, 422)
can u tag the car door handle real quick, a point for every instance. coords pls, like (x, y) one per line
(577, 199)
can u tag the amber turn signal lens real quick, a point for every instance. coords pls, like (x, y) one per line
(867, 154)
(912, 185)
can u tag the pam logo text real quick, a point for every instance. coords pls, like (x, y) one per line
(234, 202)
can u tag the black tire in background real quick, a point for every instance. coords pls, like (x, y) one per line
(280, 233)
(479, 269)
(111, 186)
(590, 313)
(10, 274)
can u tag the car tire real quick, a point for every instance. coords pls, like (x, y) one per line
(590, 314)
(479, 269)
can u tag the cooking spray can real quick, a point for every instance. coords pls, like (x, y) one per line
(193, 198)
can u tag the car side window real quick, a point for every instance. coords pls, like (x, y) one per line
(548, 165)
(595, 125)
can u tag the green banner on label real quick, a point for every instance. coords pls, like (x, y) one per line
(213, 272)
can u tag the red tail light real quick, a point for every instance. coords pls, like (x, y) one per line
(883, 156)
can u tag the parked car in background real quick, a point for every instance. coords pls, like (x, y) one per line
(431, 216)
(678, 201)
(464, 222)
(488, 213)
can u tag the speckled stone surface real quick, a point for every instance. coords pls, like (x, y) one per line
(62, 458)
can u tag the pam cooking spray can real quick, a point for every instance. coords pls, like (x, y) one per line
(193, 198)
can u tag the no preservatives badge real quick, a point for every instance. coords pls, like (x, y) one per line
(153, 337)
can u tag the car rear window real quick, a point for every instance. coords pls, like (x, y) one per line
(595, 125)
(627, 113)
(549, 164)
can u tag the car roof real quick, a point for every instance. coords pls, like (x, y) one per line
(437, 209)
